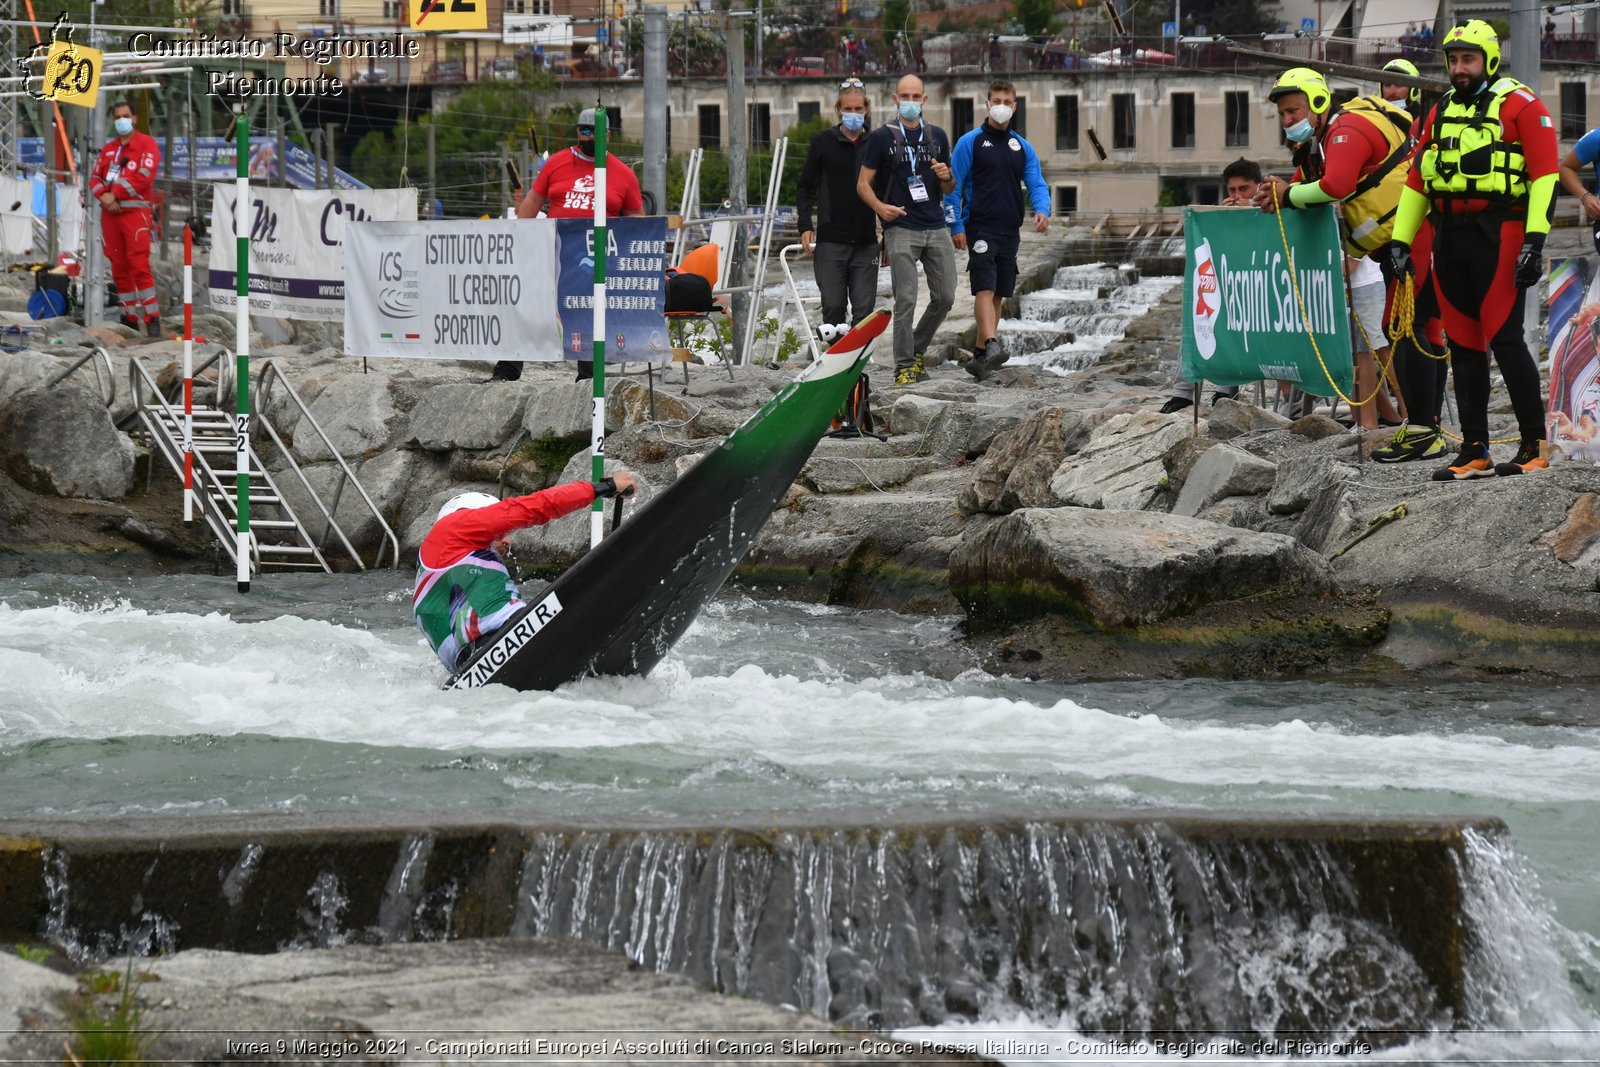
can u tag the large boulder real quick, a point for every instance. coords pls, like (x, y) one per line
(358, 414)
(1121, 467)
(1220, 472)
(1121, 568)
(386, 478)
(1230, 418)
(21, 371)
(448, 417)
(61, 440)
(562, 409)
(1016, 470)
(1300, 478)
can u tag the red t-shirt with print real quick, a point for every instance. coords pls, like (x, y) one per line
(566, 181)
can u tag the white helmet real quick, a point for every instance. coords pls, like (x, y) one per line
(465, 501)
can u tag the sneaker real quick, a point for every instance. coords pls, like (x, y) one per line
(1177, 403)
(995, 353)
(1411, 442)
(1526, 461)
(912, 374)
(1473, 461)
(976, 365)
(152, 326)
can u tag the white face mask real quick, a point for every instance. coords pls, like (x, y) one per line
(1001, 114)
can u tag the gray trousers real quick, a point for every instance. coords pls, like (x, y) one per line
(932, 248)
(846, 271)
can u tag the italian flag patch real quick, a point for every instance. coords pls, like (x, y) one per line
(1544, 120)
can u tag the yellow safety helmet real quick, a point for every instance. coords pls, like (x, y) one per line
(1480, 36)
(1405, 66)
(1303, 80)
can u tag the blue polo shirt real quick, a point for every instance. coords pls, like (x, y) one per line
(991, 167)
(1588, 150)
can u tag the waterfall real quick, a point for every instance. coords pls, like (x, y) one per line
(1069, 326)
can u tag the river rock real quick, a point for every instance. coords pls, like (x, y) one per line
(386, 478)
(914, 414)
(637, 403)
(845, 474)
(1223, 471)
(1300, 478)
(448, 417)
(1329, 517)
(1230, 418)
(1316, 427)
(21, 371)
(358, 414)
(565, 410)
(61, 440)
(1017, 469)
(1122, 465)
(1575, 541)
(1121, 568)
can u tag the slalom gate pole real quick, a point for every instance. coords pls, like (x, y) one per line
(188, 374)
(241, 319)
(597, 431)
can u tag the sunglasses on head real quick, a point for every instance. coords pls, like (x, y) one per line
(852, 83)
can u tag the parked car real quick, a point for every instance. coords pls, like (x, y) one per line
(804, 67)
(502, 69)
(372, 76)
(448, 70)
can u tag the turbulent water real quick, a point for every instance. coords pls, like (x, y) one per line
(178, 695)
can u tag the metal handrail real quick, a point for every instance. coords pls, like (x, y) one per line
(272, 374)
(107, 384)
(224, 370)
(209, 508)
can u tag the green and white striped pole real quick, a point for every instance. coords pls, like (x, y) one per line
(597, 432)
(241, 333)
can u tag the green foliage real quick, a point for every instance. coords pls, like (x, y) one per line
(33, 953)
(1035, 16)
(108, 1033)
(896, 16)
(551, 453)
(1173, 194)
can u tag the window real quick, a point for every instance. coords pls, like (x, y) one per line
(233, 9)
(808, 110)
(760, 124)
(1182, 120)
(1574, 110)
(1236, 131)
(1066, 199)
(1066, 124)
(961, 119)
(1019, 121)
(516, 7)
(541, 7)
(710, 126)
(328, 9)
(1124, 121)
(393, 10)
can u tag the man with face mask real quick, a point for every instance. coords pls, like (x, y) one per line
(123, 181)
(1485, 175)
(992, 165)
(904, 176)
(844, 238)
(564, 189)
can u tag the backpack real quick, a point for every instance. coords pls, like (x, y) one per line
(688, 294)
(855, 415)
(936, 142)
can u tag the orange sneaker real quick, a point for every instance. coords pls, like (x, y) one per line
(1473, 461)
(1527, 460)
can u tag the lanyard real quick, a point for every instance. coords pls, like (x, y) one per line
(911, 155)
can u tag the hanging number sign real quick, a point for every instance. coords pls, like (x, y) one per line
(72, 74)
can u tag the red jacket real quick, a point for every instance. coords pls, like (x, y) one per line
(127, 171)
(462, 532)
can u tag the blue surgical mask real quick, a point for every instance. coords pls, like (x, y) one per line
(123, 126)
(1300, 132)
(853, 122)
(910, 109)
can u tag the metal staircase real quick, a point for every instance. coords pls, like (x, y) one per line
(280, 540)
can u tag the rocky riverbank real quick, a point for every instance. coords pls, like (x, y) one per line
(1081, 533)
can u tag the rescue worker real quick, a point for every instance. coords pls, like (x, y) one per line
(1485, 174)
(1358, 155)
(464, 593)
(1405, 97)
(123, 181)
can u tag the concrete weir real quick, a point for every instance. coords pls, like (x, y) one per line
(1125, 923)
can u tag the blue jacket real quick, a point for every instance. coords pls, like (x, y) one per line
(990, 167)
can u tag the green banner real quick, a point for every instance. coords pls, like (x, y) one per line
(1250, 292)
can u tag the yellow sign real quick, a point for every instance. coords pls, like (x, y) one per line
(449, 14)
(72, 74)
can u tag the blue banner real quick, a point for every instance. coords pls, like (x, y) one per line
(636, 265)
(216, 160)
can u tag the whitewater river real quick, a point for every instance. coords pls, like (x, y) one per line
(179, 696)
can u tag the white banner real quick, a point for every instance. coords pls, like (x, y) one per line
(453, 290)
(296, 246)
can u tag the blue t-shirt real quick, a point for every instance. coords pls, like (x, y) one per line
(1588, 151)
(891, 153)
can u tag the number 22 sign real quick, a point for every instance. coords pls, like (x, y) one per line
(449, 14)
(72, 74)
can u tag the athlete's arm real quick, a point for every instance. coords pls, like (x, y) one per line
(1536, 130)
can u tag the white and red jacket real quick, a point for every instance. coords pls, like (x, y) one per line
(127, 170)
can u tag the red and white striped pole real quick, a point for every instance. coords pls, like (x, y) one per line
(188, 374)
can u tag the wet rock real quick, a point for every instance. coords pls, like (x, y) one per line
(1121, 568)
(1300, 478)
(1122, 465)
(448, 417)
(1230, 418)
(61, 440)
(142, 533)
(1223, 471)
(358, 414)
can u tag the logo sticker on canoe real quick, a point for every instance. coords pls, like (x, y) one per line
(509, 644)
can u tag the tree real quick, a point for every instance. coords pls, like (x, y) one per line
(1035, 16)
(896, 17)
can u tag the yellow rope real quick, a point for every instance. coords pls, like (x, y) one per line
(1305, 319)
